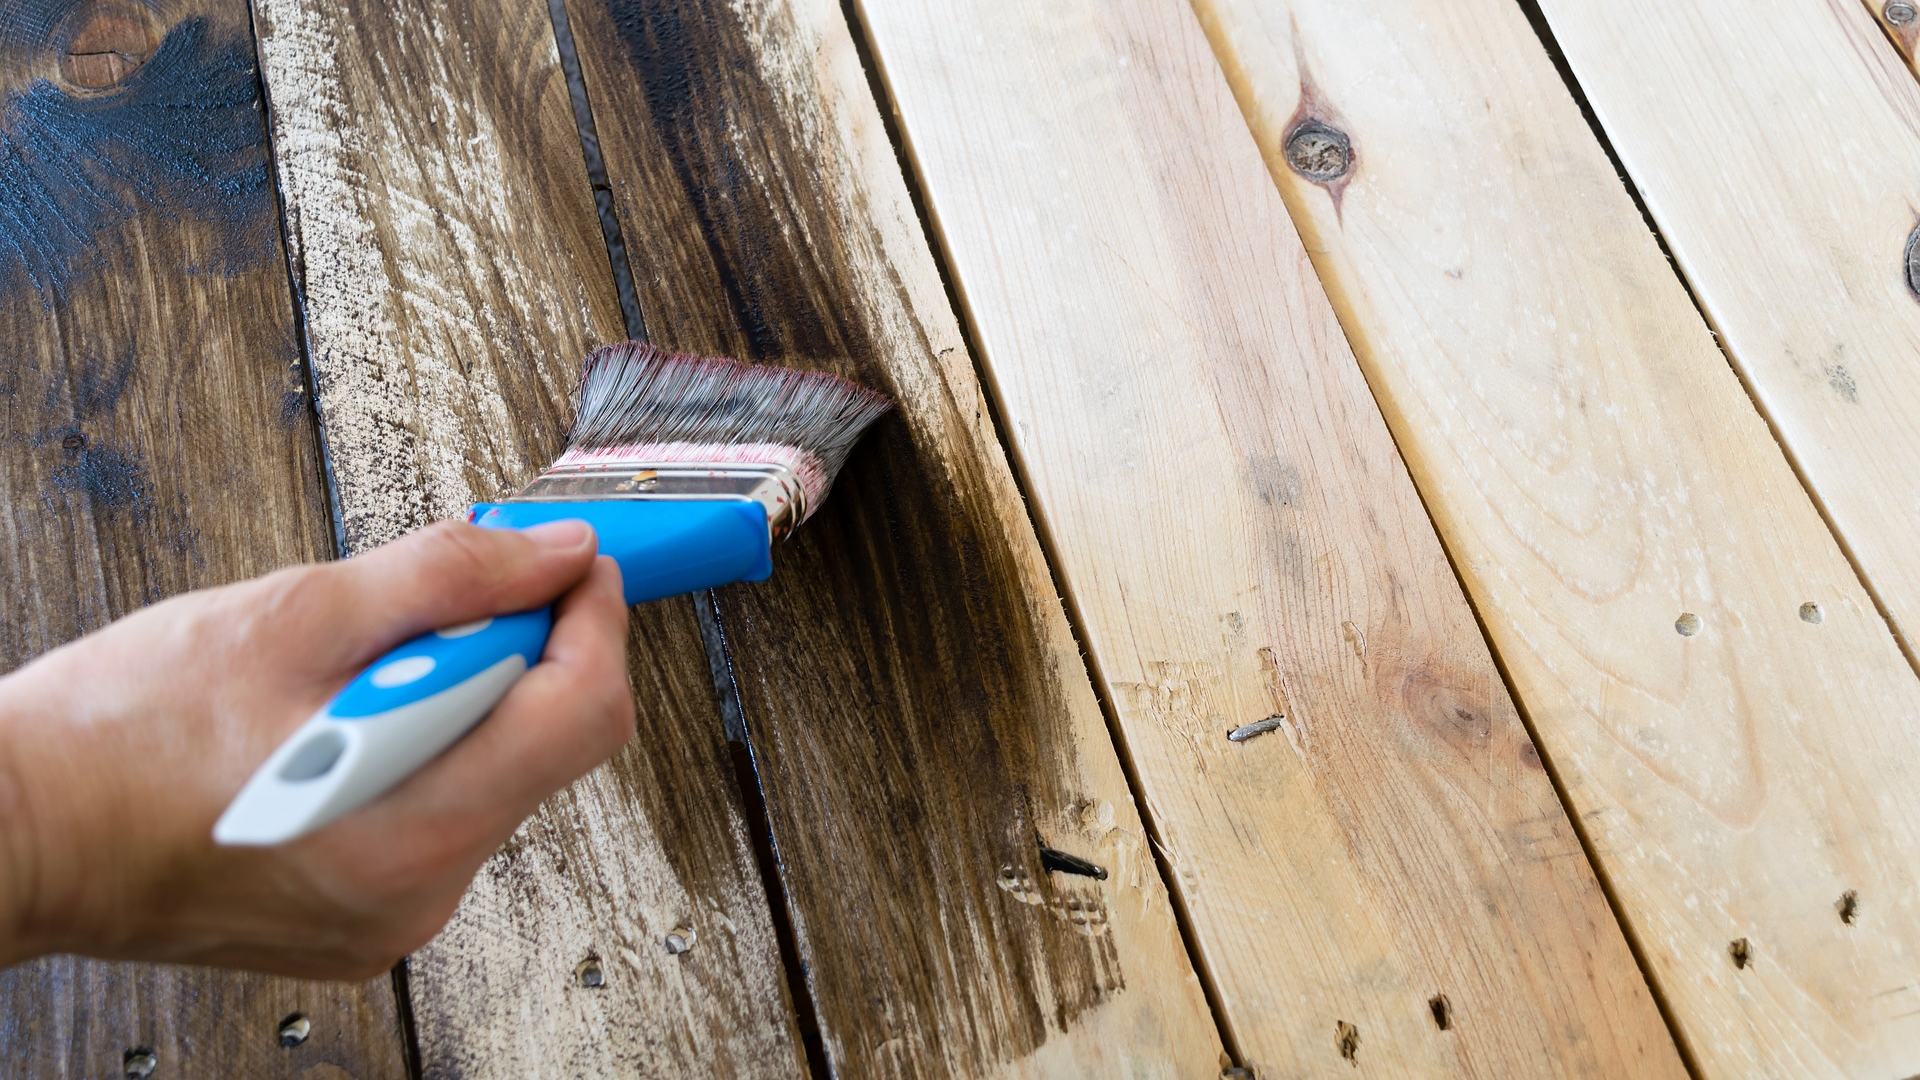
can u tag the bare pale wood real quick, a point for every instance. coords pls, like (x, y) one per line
(1244, 547)
(1598, 471)
(445, 241)
(153, 439)
(1778, 163)
(922, 720)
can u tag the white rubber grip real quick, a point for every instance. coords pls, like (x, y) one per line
(333, 765)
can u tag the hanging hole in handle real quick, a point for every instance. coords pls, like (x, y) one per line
(316, 757)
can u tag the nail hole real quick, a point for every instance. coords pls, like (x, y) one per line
(74, 441)
(1258, 727)
(1810, 612)
(1742, 952)
(1318, 151)
(295, 1029)
(589, 974)
(1848, 906)
(680, 940)
(1911, 257)
(1687, 625)
(1442, 1012)
(1059, 862)
(1347, 1038)
(139, 1062)
(1236, 1072)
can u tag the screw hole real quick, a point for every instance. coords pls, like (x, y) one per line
(1319, 151)
(1347, 1038)
(139, 1062)
(589, 973)
(1742, 952)
(1442, 1012)
(1848, 906)
(295, 1029)
(1687, 625)
(1899, 12)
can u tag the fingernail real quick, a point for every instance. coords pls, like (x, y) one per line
(561, 535)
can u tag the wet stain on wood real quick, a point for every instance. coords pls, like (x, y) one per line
(180, 133)
(145, 329)
(904, 704)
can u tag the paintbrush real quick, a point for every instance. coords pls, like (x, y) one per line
(687, 467)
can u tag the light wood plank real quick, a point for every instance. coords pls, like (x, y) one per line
(1242, 542)
(153, 439)
(921, 717)
(1779, 165)
(454, 274)
(1597, 470)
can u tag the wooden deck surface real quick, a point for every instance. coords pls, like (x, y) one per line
(1394, 555)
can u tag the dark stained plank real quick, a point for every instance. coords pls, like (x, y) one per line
(153, 439)
(922, 720)
(453, 269)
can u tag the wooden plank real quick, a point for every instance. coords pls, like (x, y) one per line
(1779, 166)
(153, 439)
(1901, 20)
(1244, 548)
(922, 720)
(1597, 469)
(454, 273)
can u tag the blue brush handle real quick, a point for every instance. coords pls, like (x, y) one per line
(419, 698)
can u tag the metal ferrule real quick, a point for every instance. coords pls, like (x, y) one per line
(774, 487)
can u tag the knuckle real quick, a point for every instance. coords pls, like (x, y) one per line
(295, 596)
(461, 552)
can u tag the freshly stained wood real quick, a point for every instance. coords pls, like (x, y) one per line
(1778, 161)
(970, 885)
(1360, 828)
(1606, 486)
(153, 439)
(445, 241)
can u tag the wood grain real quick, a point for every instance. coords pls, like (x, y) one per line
(454, 273)
(1244, 548)
(153, 439)
(1597, 470)
(922, 720)
(1779, 165)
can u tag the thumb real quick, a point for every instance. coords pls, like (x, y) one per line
(453, 572)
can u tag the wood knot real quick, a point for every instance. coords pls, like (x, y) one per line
(1318, 151)
(105, 42)
(1899, 13)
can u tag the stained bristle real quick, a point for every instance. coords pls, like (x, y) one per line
(638, 402)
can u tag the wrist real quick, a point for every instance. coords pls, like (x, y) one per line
(20, 932)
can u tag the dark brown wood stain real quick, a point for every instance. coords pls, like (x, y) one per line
(909, 722)
(145, 347)
(558, 962)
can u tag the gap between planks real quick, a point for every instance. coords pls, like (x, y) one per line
(706, 604)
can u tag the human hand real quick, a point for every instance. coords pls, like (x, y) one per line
(119, 750)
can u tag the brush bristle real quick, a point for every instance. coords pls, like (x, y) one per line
(640, 403)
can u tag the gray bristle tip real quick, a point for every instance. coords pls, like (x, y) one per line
(633, 393)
